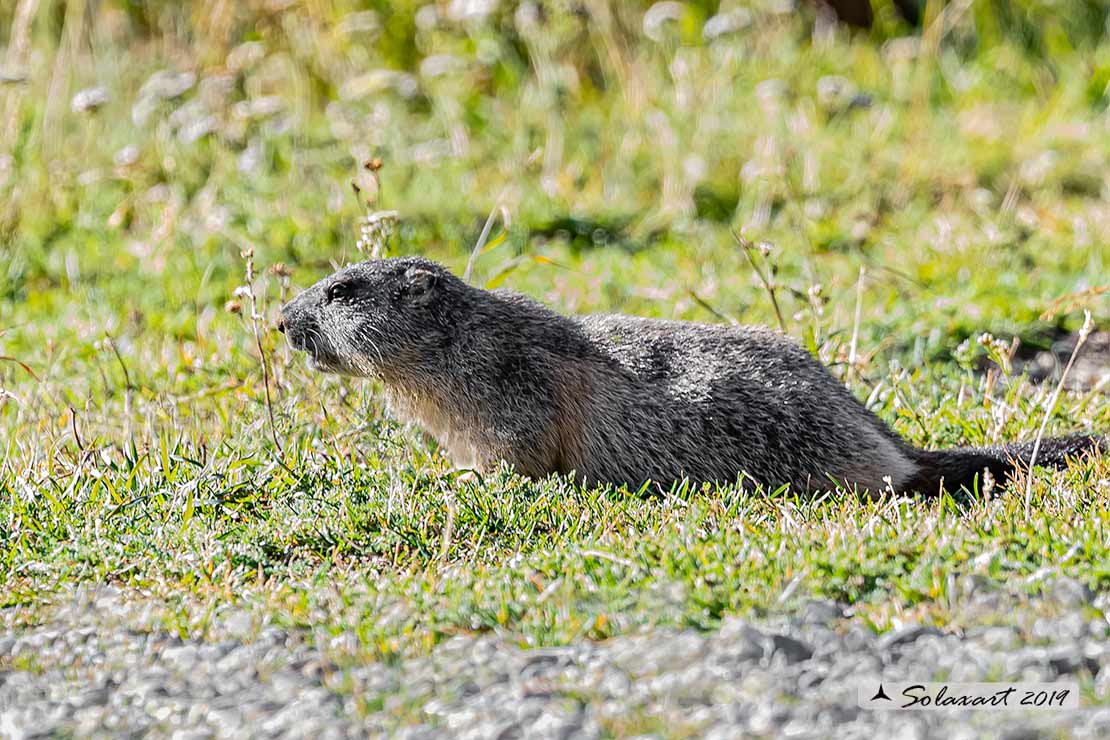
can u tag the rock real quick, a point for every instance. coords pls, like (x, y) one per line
(1020, 733)
(1070, 593)
(784, 677)
(857, 638)
(794, 651)
(820, 612)
(1071, 627)
(90, 698)
(739, 642)
(649, 655)
(1069, 660)
(905, 635)
(999, 638)
(181, 658)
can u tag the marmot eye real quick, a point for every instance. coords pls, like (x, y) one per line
(340, 290)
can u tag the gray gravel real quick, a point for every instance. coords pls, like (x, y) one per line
(102, 668)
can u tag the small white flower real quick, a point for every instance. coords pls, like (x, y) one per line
(726, 23)
(375, 231)
(659, 15)
(89, 100)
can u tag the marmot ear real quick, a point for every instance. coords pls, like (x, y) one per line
(420, 283)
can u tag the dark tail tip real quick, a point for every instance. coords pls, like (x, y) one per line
(964, 468)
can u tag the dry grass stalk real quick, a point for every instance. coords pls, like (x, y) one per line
(854, 344)
(247, 291)
(1084, 332)
(764, 278)
(16, 60)
(482, 239)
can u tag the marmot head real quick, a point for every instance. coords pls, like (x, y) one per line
(387, 317)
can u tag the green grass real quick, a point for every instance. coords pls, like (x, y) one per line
(135, 447)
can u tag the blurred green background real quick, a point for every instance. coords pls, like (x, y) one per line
(628, 126)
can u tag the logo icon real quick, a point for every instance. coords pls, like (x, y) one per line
(880, 694)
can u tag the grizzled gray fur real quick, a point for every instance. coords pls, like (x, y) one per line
(614, 399)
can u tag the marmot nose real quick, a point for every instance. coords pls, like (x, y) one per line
(281, 325)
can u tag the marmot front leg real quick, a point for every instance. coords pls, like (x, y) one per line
(530, 451)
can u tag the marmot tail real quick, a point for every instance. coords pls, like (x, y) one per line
(956, 468)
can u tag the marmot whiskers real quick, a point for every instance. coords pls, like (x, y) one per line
(494, 376)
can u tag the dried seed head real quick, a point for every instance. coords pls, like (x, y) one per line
(366, 187)
(89, 100)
